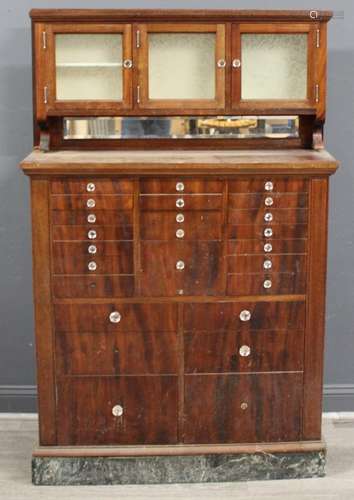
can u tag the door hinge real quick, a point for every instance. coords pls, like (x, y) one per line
(45, 95)
(44, 40)
(318, 39)
(317, 92)
(138, 94)
(137, 39)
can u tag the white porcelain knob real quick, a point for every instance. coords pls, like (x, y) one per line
(268, 201)
(115, 317)
(267, 264)
(244, 351)
(179, 218)
(245, 315)
(268, 217)
(180, 203)
(268, 186)
(117, 410)
(180, 265)
(244, 406)
(90, 203)
(179, 186)
(267, 284)
(92, 249)
(268, 247)
(91, 218)
(92, 266)
(92, 234)
(90, 187)
(268, 232)
(180, 233)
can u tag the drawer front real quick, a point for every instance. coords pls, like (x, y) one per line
(132, 317)
(179, 202)
(269, 185)
(95, 265)
(226, 315)
(149, 406)
(276, 231)
(201, 275)
(262, 215)
(92, 287)
(91, 202)
(244, 408)
(180, 185)
(266, 283)
(102, 249)
(91, 233)
(92, 186)
(243, 264)
(195, 225)
(274, 200)
(83, 217)
(249, 351)
(117, 353)
(246, 247)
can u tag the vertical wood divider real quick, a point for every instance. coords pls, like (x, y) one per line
(225, 204)
(136, 235)
(180, 333)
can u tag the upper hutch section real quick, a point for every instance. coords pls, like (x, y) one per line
(152, 63)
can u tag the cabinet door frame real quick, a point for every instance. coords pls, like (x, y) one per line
(72, 107)
(257, 105)
(143, 100)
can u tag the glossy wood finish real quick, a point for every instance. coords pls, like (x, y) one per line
(102, 202)
(93, 286)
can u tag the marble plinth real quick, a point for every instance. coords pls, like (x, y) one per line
(176, 469)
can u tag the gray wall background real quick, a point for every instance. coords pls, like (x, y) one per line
(17, 355)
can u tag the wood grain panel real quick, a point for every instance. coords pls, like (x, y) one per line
(273, 410)
(102, 202)
(255, 263)
(117, 353)
(92, 286)
(168, 186)
(282, 200)
(191, 202)
(88, 419)
(80, 233)
(225, 315)
(280, 185)
(103, 217)
(253, 284)
(134, 317)
(123, 264)
(256, 216)
(244, 247)
(101, 186)
(104, 249)
(213, 352)
(279, 231)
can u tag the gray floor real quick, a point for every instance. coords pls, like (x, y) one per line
(18, 435)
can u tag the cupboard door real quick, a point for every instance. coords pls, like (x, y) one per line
(181, 66)
(273, 66)
(91, 68)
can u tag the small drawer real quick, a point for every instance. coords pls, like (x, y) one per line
(243, 264)
(95, 264)
(91, 202)
(245, 247)
(102, 249)
(249, 351)
(269, 185)
(181, 202)
(240, 316)
(115, 316)
(90, 233)
(245, 408)
(180, 185)
(268, 201)
(265, 231)
(92, 217)
(117, 353)
(266, 284)
(117, 410)
(270, 216)
(92, 286)
(195, 225)
(90, 186)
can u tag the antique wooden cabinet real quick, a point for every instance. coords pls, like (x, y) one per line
(179, 217)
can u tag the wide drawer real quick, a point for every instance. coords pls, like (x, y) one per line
(266, 283)
(115, 316)
(266, 247)
(247, 351)
(276, 231)
(195, 225)
(117, 410)
(268, 185)
(180, 185)
(117, 353)
(274, 200)
(92, 185)
(245, 408)
(91, 202)
(243, 264)
(91, 233)
(268, 216)
(256, 316)
(92, 286)
(179, 202)
(200, 273)
(100, 217)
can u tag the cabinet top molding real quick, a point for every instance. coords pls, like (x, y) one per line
(136, 15)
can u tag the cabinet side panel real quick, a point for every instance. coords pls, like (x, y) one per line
(43, 312)
(315, 322)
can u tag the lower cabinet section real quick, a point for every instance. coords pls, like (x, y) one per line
(243, 408)
(117, 410)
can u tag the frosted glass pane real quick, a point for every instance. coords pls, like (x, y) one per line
(89, 67)
(274, 66)
(182, 66)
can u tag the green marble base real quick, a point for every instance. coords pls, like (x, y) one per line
(176, 469)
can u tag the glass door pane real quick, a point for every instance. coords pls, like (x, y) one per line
(89, 67)
(181, 65)
(274, 66)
